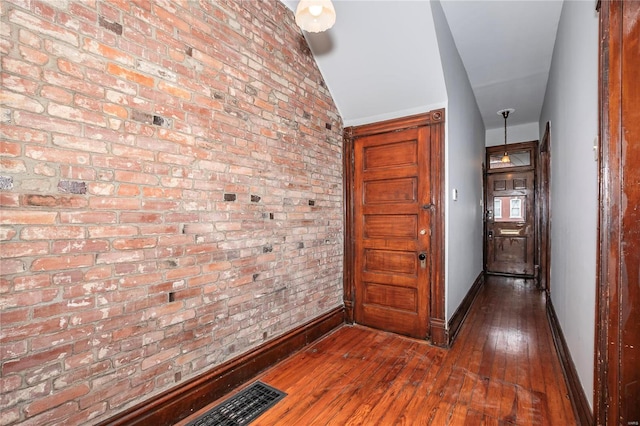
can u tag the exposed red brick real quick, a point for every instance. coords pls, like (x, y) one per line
(79, 144)
(43, 27)
(130, 122)
(18, 84)
(36, 121)
(112, 231)
(114, 203)
(33, 55)
(129, 75)
(31, 282)
(24, 249)
(36, 359)
(79, 246)
(89, 87)
(27, 217)
(62, 262)
(9, 200)
(80, 11)
(116, 110)
(52, 232)
(8, 165)
(53, 415)
(75, 114)
(108, 52)
(20, 68)
(125, 190)
(56, 399)
(56, 94)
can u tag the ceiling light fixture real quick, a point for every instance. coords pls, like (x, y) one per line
(315, 16)
(505, 113)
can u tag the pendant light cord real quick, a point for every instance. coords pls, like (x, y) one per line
(505, 114)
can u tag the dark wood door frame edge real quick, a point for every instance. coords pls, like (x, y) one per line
(349, 236)
(435, 120)
(578, 398)
(616, 381)
(458, 317)
(438, 322)
(176, 404)
(544, 213)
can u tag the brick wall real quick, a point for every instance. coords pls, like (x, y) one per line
(171, 196)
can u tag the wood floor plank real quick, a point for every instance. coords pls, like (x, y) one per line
(396, 412)
(459, 415)
(368, 392)
(502, 370)
(390, 394)
(313, 358)
(324, 388)
(508, 403)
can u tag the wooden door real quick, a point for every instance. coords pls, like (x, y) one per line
(392, 226)
(510, 219)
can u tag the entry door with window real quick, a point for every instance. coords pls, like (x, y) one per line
(510, 213)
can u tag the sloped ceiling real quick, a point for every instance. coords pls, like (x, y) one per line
(381, 58)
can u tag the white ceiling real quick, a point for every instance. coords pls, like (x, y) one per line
(377, 60)
(506, 47)
(380, 60)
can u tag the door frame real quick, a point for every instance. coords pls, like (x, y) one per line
(532, 147)
(435, 119)
(543, 253)
(618, 243)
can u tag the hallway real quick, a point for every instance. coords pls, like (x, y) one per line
(502, 369)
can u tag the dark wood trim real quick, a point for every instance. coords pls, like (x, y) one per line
(531, 146)
(608, 156)
(437, 327)
(349, 254)
(435, 116)
(543, 237)
(578, 398)
(461, 313)
(545, 143)
(617, 343)
(181, 401)
(438, 321)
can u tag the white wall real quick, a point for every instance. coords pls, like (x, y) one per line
(464, 151)
(360, 56)
(520, 133)
(571, 104)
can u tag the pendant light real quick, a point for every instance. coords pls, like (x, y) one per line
(505, 113)
(315, 16)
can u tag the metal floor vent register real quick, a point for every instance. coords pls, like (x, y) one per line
(242, 408)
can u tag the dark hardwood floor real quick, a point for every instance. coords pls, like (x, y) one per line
(502, 370)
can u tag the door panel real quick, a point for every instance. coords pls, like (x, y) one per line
(391, 297)
(390, 191)
(377, 226)
(392, 229)
(510, 223)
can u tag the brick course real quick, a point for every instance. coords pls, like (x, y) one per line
(173, 197)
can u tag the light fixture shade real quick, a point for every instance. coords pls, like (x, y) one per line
(315, 16)
(505, 158)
